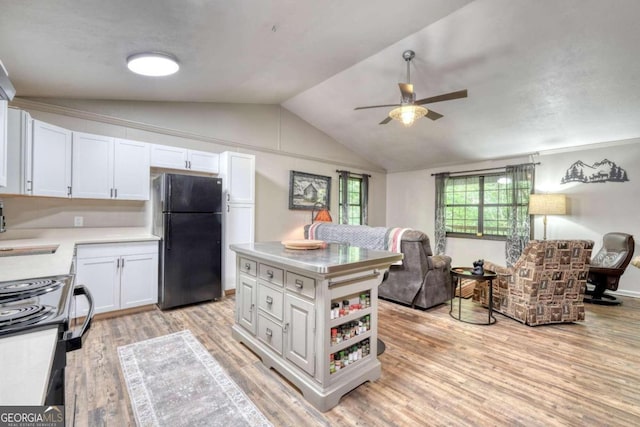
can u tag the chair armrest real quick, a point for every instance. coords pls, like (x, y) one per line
(498, 269)
(440, 262)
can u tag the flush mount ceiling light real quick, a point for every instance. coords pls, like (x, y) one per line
(152, 64)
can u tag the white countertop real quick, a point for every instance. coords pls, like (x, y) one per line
(32, 266)
(24, 370)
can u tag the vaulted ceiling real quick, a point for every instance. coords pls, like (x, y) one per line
(540, 74)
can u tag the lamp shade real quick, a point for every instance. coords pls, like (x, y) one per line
(547, 204)
(407, 114)
(323, 215)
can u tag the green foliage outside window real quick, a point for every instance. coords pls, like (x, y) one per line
(354, 193)
(480, 205)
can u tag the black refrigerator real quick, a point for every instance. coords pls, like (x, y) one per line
(187, 216)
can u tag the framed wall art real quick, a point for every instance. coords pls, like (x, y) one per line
(307, 190)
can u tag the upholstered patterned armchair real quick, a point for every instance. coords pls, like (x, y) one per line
(546, 284)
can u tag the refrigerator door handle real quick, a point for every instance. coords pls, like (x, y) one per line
(168, 234)
(169, 192)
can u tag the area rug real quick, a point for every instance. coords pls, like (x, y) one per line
(174, 381)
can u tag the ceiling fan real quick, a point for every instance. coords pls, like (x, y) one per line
(409, 108)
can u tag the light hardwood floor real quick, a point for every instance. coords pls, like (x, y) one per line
(435, 371)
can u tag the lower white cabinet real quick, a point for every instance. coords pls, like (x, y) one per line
(4, 111)
(118, 275)
(238, 228)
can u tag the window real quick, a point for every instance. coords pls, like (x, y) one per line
(352, 199)
(480, 205)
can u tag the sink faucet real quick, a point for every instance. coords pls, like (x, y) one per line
(2, 223)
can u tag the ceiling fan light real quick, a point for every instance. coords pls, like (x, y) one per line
(153, 64)
(407, 114)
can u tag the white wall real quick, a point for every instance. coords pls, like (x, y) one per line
(594, 209)
(280, 140)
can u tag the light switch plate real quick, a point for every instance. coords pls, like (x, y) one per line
(78, 221)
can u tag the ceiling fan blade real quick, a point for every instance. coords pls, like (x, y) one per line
(377, 106)
(385, 121)
(433, 115)
(444, 97)
(406, 89)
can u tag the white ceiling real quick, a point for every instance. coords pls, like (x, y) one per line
(540, 74)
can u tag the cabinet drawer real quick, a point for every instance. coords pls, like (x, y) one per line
(248, 266)
(270, 300)
(302, 285)
(96, 250)
(270, 333)
(271, 274)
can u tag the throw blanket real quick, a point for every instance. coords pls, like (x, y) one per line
(374, 238)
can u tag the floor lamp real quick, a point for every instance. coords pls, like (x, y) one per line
(547, 204)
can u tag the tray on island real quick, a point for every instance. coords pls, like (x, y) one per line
(303, 244)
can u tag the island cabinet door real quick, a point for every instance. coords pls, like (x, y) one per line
(299, 329)
(247, 303)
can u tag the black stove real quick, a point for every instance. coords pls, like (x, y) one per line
(39, 303)
(30, 305)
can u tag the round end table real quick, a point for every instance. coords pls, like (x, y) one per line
(460, 273)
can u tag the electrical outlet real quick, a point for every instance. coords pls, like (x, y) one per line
(78, 221)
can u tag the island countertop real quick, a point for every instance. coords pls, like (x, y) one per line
(335, 258)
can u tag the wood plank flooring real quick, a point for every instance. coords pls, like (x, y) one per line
(436, 371)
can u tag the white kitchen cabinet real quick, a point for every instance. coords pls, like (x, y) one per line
(238, 228)
(300, 322)
(110, 168)
(51, 160)
(163, 156)
(238, 171)
(19, 129)
(248, 310)
(92, 165)
(118, 275)
(4, 110)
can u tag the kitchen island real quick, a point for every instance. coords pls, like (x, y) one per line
(312, 314)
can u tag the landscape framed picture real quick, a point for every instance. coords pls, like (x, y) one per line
(307, 190)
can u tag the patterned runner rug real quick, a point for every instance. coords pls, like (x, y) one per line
(174, 381)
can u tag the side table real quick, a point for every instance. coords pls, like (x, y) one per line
(459, 273)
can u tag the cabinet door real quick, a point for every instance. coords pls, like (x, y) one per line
(238, 228)
(202, 161)
(51, 160)
(131, 170)
(248, 311)
(299, 329)
(238, 171)
(92, 166)
(4, 106)
(138, 280)
(164, 156)
(102, 276)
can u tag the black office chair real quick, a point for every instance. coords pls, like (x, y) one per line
(607, 266)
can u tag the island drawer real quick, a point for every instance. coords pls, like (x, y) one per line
(270, 333)
(300, 284)
(271, 274)
(270, 300)
(248, 266)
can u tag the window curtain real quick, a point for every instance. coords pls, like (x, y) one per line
(520, 179)
(364, 192)
(344, 211)
(440, 233)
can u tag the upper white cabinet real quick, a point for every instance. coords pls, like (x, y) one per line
(163, 156)
(110, 168)
(3, 142)
(19, 129)
(131, 169)
(238, 176)
(51, 160)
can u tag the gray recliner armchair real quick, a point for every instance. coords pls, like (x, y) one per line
(423, 280)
